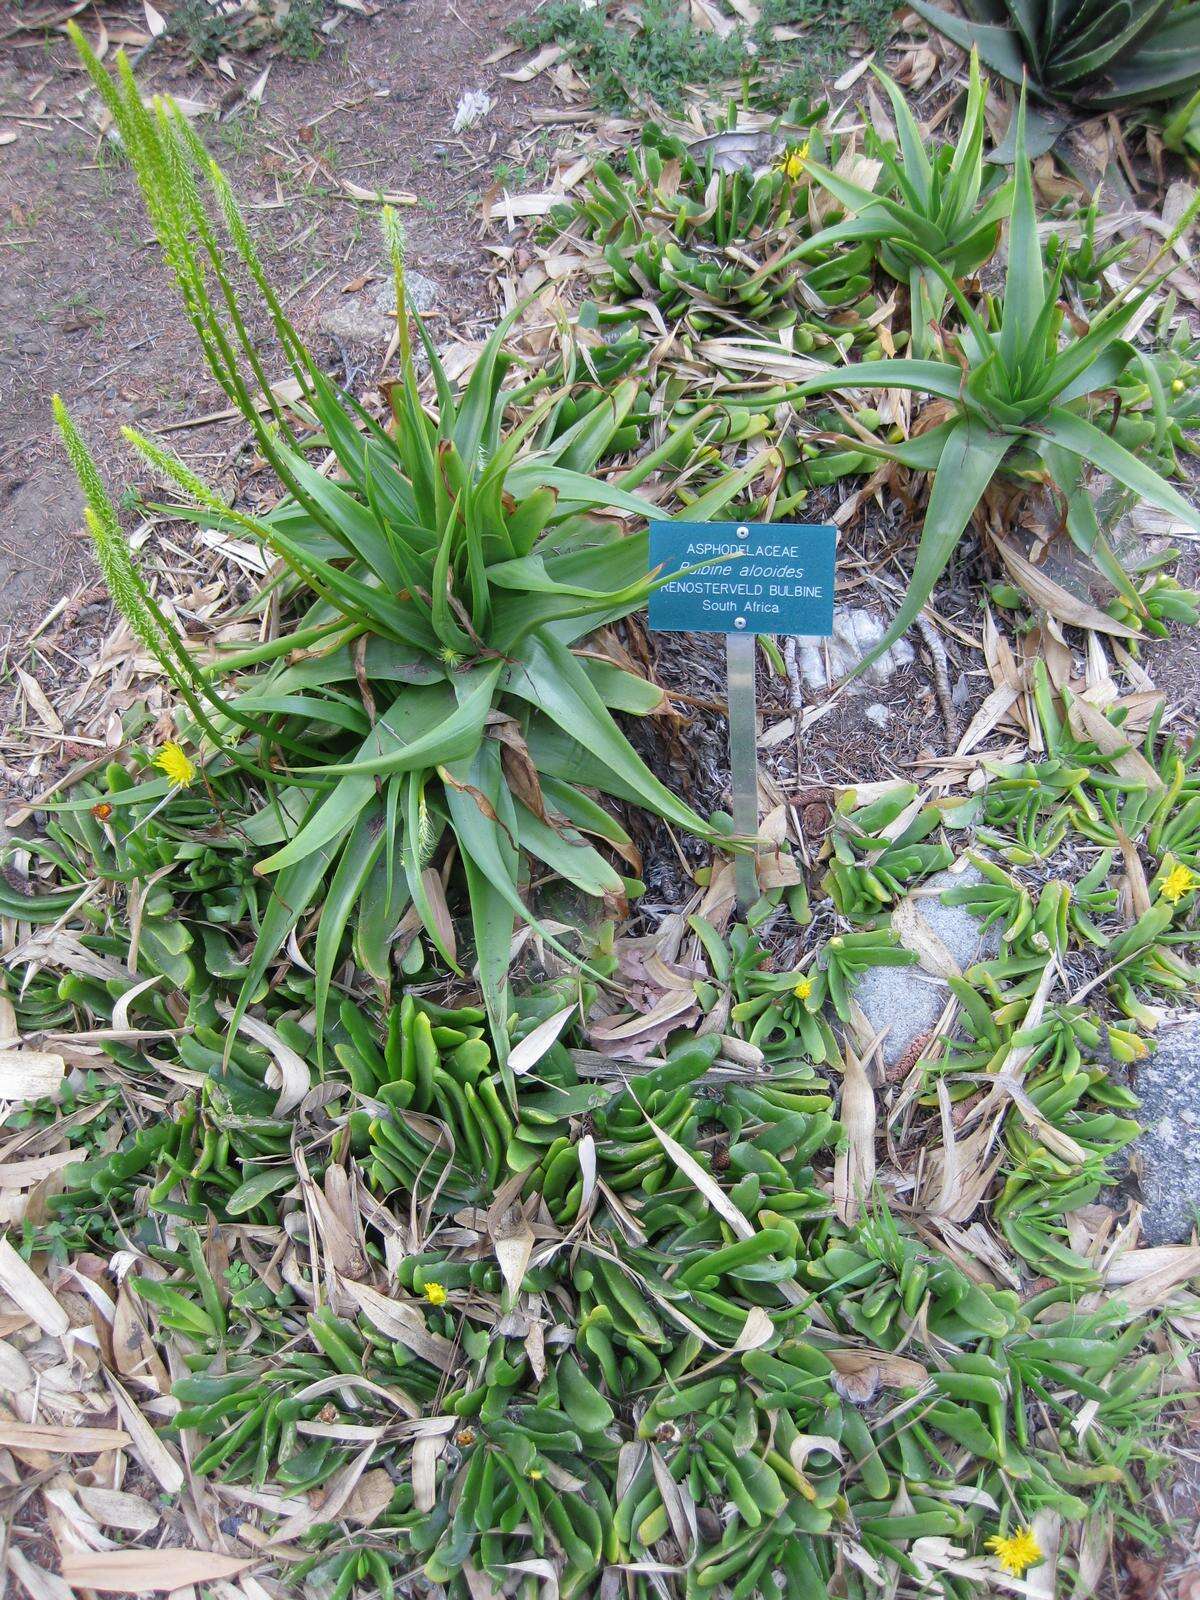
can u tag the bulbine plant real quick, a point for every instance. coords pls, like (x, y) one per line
(1017, 390)
(931, 205)
(711, 245)
(424, 712)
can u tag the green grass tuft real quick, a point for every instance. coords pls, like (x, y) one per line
(656, 63)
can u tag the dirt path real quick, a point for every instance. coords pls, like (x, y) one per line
(88, 309)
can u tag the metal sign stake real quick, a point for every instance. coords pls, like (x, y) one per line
(740, 651)
(743, 579)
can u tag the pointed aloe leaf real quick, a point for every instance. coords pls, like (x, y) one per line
(970, 458)
(356, 524)
(1090, 443)
(290, 896)
(549, 676)
(966, 165)
(493, 921)
(579, 447)
(571, 858)
(575, 489)
(622, 690)
(1164, 66)
(580, 809)
(925, 377)
(418, 730)
(897, 220)
(1081, 371)
(1025, 283)
(997, 46)
(353, 869)
(484, 818)
(477, 413)
(1026, 18)
(917, 167)
(1067, 471)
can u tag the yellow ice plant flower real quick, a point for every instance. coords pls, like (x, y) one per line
(791, 163)
(172, 760)
(435, 1293)
(803, 989)
(1178, 882)
(1016, 1551)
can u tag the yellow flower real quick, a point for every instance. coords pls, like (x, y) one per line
(803, 989)
(435, 1293)
(535, 1473)
(172, 760)
(1177, 386)
(1178, 882)
(791, 163)
(1016, 1551)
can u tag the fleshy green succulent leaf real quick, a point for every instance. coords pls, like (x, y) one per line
(1092, 444)
(970, 458)
(1025, 283)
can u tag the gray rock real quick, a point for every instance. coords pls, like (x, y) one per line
(1169, 1149)
(855, 631)
(878, 714)
(958, 929)
(908, 1001)
(368, 317)
(905, 1001)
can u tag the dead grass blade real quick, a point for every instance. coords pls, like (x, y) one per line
(854, 1167)
(149, 1571)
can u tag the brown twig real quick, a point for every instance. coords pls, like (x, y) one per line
(941, 676)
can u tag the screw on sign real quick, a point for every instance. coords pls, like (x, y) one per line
(741, 579)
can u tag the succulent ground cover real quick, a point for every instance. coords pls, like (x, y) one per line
(428, 1216)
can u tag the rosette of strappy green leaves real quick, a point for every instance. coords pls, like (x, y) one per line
(433, 1123)
(179, 847)
(1148, 961)
(880, 849)
(932, 217)
(570, 1135)
(1162, 810)
(1081, 55)
(711, 244)
(779, 1013)
(223, 1152)
(439, 581)
(1163, 602)
(783, 1013)
(1018, 396)
(1062, 1120)
(803, 457)
(875, 1280)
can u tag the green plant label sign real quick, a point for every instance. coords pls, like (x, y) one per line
(765, 577)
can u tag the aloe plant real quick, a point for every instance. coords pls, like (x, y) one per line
(426, 705)
(934, 204)
(1081, 55)
(1018, 391)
